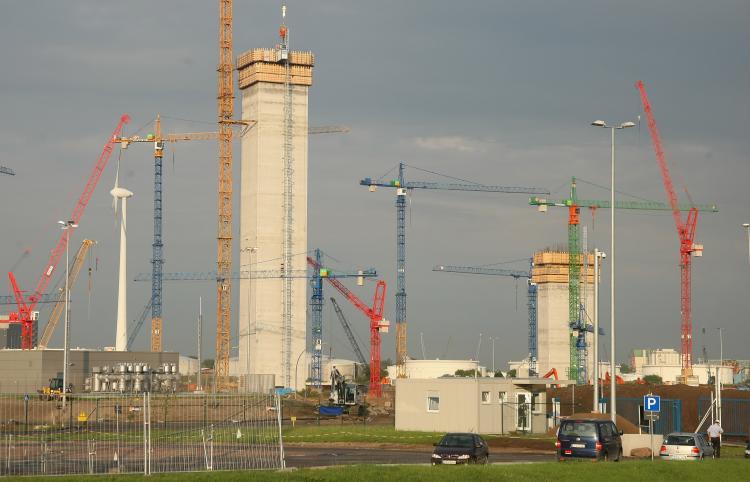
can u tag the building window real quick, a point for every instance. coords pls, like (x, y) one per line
(486, 397)
(501, 397)
(534, 402)
(433, 402)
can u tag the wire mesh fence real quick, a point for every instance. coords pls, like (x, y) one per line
(138, 433)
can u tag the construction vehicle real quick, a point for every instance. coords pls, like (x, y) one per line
(54, 390)
(344, 392)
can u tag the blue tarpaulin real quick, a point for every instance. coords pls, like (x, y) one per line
(331, 411)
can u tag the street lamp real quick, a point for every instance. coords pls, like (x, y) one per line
(65, 226)
(613, 377)
(598, 257)
(747, 228)
(718, 373)
(295, 371)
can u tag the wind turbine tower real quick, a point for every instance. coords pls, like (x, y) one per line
(121, 335)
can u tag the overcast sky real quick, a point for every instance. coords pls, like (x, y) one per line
(495, 92)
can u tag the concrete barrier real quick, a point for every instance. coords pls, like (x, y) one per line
(636, 441)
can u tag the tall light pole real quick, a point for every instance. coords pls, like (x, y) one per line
(493, 355)
(598, 256)
(747, 228)
(199, 380)
(65, 226)
(613, 376)
(718, 373)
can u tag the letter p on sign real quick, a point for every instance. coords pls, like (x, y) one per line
(652, 403)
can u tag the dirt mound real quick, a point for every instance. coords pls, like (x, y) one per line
(622, 424)
(520, 443)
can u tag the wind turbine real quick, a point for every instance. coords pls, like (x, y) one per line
(121, 334)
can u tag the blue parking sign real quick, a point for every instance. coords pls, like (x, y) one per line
(652, 403)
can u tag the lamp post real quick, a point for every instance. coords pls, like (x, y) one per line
(598, 256)
(613, 377)
(65, 226)
(295, 371)
(718, 373)
(747, 228)
(493, 354)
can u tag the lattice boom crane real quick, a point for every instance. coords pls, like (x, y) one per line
(26, 307)
(686, 234)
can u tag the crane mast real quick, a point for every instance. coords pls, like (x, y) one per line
(225, 107)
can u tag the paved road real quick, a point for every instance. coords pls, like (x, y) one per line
(315, 457)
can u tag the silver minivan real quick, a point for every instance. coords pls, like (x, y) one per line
(685, 446)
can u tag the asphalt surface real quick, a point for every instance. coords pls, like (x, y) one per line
(318, 457)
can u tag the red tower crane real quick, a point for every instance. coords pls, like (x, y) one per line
(377, 323)
(26, 307)
(686, 233)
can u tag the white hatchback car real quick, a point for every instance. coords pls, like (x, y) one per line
(685, 446)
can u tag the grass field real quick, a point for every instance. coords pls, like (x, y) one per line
(374, 434)
(724, 470)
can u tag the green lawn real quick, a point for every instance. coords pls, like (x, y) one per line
(357, 433)
(374, 433)
(731, 469)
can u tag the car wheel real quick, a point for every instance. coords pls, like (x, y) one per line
(619, 456)
(605, 457)
(484, 460)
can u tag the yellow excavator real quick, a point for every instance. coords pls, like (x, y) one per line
(54, 390)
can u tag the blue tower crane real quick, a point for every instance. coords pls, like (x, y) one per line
(402, 187)
(316, 315)
(531, 298)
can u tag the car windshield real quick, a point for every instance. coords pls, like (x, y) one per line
(578, 429)
(457, 441)
(680, 440)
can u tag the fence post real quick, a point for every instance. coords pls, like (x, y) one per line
(281, 440)
(145, 438)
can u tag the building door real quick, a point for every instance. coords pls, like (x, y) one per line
(523, 411)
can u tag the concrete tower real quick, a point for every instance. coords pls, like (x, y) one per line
(550, 272)
(263, 349)
(121, 335)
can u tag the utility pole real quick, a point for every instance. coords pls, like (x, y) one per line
(65, 226)
(597, 255)
(199, 382)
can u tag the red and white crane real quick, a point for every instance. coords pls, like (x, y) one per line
(26, 307)
(377, 323)
(686, 233)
